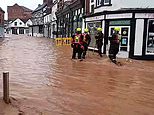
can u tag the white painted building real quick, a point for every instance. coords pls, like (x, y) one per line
(19, 26)
(54, 19)
(136, 20)
(47, 26)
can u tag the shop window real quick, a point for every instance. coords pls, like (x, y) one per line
(92, 26)
(150, 37)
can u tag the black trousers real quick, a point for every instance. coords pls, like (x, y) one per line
(77, 50)
(99, 47)
(85, 50)
(113, 51)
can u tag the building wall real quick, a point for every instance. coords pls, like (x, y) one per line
(18, 22)
(1, 17)
(54, 19)
(1, 23)
(17, 11)
(118, 4)
(37, 18)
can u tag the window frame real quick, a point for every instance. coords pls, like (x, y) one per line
(147, 38)
(102, 3)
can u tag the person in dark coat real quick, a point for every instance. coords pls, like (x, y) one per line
(99, 40)
(77, 44)
(114, 45)
(86, 42)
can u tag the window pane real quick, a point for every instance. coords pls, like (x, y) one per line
(150, 39)
(106, 1)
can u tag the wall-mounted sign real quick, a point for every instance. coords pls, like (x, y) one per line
(144, 15)
(95, 18)
(116, 16)
(120, 23)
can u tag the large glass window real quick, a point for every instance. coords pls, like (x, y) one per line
(92, 26)
(150, 37)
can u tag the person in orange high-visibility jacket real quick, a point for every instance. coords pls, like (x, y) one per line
(86, 42)
(77, 44)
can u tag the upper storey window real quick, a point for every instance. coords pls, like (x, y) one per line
(103, 3)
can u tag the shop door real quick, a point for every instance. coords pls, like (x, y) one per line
(125, 36)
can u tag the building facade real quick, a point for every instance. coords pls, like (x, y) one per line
(54, 19)
(37, 28)
(69, 17)
(19, 26)
(20, 12)
(2, 23)
(47, 18)
(135, 19)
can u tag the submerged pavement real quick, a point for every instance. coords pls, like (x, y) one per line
(45, 81)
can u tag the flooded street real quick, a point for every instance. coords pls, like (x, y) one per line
(45, 81)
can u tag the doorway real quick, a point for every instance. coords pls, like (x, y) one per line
(124, 47)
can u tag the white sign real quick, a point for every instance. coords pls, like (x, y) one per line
(117, 16)
(144, 15)
(95, 18)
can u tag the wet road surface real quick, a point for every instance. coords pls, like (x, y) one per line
(45, 81)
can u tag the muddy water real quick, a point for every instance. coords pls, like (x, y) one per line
(45, 81)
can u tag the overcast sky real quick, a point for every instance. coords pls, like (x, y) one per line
(31, 4)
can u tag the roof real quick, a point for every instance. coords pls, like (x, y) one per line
(40, 7)
(2, 10)
(23, 20)
(23, 7)
(26, 9)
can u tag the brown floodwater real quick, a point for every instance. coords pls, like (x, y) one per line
(45, 81)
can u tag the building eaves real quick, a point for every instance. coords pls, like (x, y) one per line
(40, 7)
(26, 9)
(2, 10)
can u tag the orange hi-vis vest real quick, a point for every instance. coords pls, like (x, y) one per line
(77, 39)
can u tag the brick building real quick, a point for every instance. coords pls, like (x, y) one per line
(1, 22)
(17, 11)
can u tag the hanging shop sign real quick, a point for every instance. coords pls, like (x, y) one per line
(119, 16)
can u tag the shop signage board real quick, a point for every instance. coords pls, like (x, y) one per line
(95, 18)
(119, 16)
(144, 15)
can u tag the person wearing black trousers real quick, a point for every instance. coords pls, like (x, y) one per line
(114, 45)
(99, 41)
(77, 44)
(86, 42)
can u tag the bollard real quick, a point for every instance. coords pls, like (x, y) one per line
(6, 87)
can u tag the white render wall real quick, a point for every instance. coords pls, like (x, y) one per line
(139, 37)
(18, 23)
(118, 4)
(29, 22)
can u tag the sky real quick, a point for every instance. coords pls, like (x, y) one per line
(31, 4)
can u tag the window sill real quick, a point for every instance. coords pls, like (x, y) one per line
(103, 5)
